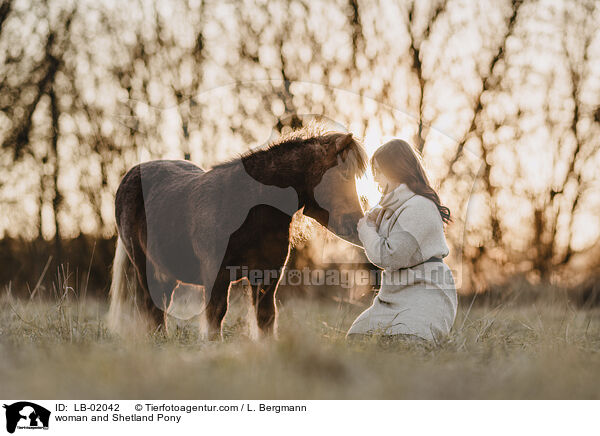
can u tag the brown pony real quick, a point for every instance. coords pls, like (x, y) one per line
(180, 224)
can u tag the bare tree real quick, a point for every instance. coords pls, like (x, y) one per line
(574, 138)
(26, 97)
(416, 54)
(490, 76)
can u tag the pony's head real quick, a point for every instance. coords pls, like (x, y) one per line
(322, 166)
(337, 159)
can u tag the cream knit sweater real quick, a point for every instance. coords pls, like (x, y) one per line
(417, 295)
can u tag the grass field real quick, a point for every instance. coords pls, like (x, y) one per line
(62, 350)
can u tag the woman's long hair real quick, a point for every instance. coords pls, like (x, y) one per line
(400, 164)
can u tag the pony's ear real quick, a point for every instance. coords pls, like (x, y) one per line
(343, 142)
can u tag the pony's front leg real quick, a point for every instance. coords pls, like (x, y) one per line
(263, 298)
(216, 308)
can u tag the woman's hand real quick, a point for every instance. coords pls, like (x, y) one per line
(368, 220)
(362, 222)
(373, 215)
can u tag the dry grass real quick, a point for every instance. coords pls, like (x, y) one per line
(61, 349)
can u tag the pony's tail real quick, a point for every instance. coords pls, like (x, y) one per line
(118, 287)
(124, 314)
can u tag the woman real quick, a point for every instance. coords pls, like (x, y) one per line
(404, 235)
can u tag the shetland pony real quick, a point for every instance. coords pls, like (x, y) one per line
(178, 223)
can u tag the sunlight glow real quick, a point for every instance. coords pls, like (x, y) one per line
(366, 186)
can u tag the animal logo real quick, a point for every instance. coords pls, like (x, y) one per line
(26, 415)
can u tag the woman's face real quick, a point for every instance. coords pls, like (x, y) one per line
(383, 182)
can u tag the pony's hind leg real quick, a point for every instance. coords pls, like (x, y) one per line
(160, 294)
(218, 301)
(138, 295)
(154, 292)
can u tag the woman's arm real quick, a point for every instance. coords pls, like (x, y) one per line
(409, 240)
(399, 250)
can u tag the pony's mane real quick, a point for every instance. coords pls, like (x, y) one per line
(352, 161)
(311, 130)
